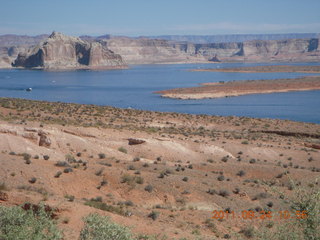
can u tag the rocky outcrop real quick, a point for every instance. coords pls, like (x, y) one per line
(65, 52)
(44, 139)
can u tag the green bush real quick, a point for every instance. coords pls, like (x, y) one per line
(19, 224)
(122, 149)
(297, 228)
(102, 228)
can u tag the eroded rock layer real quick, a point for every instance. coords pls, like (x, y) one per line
(64, 52)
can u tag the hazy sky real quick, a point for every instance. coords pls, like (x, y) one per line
(158, 17)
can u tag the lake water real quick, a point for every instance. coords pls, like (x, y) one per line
(134, 88)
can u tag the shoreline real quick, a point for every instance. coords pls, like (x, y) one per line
(239, 88)
(264, 69)
(15, 103)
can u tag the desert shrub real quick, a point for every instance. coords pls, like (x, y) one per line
(131, 167)
(224, 193)
(32, 180)
(62, 164)
(185, 179)
(26, 156)
(46, 157)
(139, 180)
(148, 188)
(102, 155)
(212, 191)
(70, 158)
(270, 204)
(236, 190)
(136, 159)
(70, 198)
(225, 159)
(252, 160)
(145, 165)
(161, 175)
(220, 178)
(128, 203)
(105, 207)
(3, 186)
(262, 195)
(96, 199)
(122, 149)
(154, 215)
(99, 172)
(304, 227)
(19, 224)
(67, 170)
(244, 142)
(241, 173)
(102, 228)
(28, 161)
(127, 179)
(248, 231)
(58, 174)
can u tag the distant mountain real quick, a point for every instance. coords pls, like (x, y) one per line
(10, 40)
(234, 37)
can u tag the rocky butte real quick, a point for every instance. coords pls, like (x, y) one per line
(59, 51)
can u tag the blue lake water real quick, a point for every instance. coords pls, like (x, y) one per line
(134, 88)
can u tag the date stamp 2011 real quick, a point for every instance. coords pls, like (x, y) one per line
(261, 215)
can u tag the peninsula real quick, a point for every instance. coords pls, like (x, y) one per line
(238, 88)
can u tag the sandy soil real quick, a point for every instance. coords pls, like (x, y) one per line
(182, 158)
(238, 88)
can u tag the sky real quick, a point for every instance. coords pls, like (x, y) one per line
(159, 17)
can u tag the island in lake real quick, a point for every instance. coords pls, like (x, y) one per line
(238, 88)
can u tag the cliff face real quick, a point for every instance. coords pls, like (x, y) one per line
(142, 50)
(137, 51)
(64, 52)
(258, 50)
(230, 38)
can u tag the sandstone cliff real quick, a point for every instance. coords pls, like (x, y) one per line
(142, 50)
(263, 51)
(65, 52)
(148, 51)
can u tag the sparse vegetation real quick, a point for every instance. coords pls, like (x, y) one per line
(148, 188)
(101, 227)
(19, 224)
(122, 149)
(154, 215)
